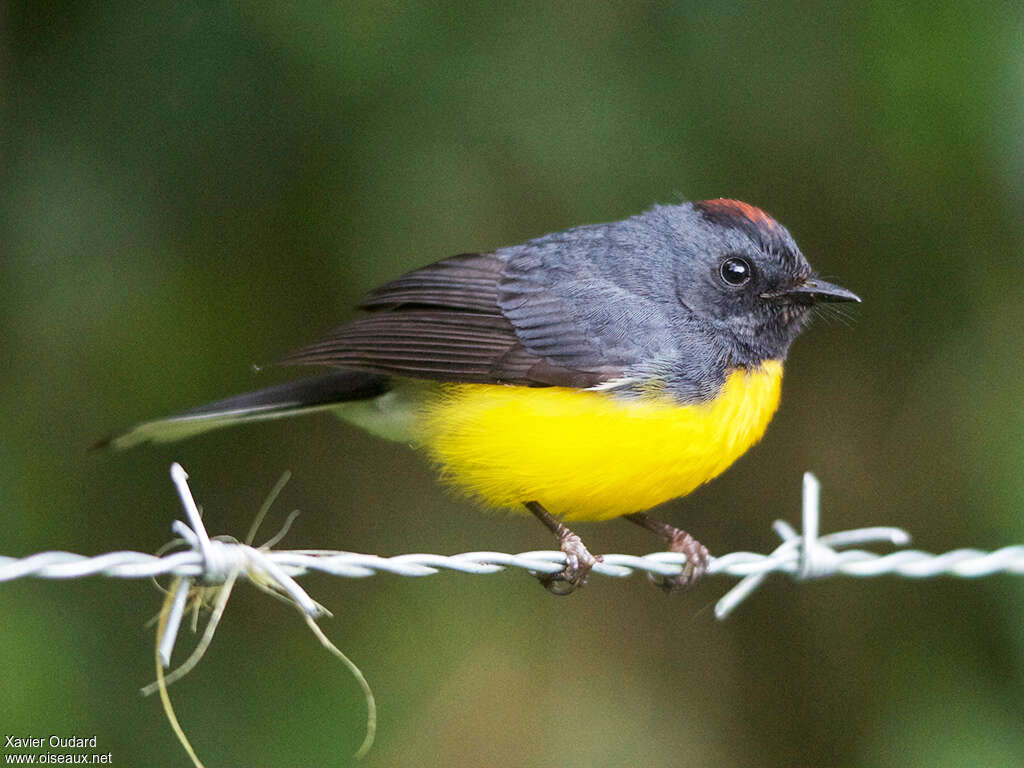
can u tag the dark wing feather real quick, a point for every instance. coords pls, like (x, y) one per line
(468, 281)
(424, 343)
(441, 322)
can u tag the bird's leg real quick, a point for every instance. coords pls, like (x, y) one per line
(578, 560)
(678, 541)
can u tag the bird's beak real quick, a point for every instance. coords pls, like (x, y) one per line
(812, 290)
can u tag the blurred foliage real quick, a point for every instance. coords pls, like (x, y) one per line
(192, 188)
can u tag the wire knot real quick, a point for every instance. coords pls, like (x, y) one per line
(802, 554)
(222, 559)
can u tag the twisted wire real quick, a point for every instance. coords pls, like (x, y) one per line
(220, 561)
(801, 556)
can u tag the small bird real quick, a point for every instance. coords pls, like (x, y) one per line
(584, 375)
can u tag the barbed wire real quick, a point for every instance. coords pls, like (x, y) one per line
(803, 555)
(205, 570)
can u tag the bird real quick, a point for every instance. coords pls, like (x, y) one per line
(584, 375)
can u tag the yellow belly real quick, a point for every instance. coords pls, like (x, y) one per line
(588, 455)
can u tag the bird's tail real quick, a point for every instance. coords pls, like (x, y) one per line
(292, 398)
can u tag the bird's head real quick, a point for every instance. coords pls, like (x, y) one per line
(739, 272)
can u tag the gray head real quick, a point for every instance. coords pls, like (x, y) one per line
(739, 272)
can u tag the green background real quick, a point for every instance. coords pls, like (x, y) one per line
(191, 189)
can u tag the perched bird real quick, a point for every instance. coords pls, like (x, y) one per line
(584, 375)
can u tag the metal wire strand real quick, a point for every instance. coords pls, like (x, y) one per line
(802, 556)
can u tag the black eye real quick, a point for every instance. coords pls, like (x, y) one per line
(735, 270)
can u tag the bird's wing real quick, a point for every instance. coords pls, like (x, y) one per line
(446, 322)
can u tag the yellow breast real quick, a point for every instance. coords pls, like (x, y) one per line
(588, 455)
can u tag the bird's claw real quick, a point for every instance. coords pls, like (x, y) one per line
(578, 564)
(696, 565)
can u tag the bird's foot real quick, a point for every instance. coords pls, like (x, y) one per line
(694, 568)
(578, 560)
(697, 557)
(578, 564)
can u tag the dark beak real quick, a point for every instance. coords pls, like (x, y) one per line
(814, 290)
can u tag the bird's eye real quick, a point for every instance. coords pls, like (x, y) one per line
(736, 271)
